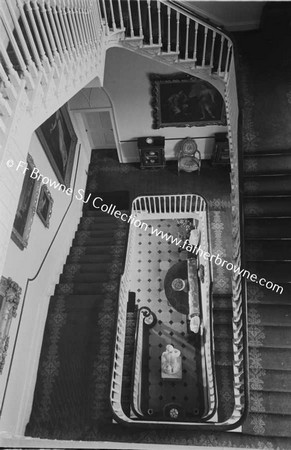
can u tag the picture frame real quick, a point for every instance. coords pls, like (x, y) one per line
(10, 293)
(45, 205)
(26, 207)
(58, 139)
(181, 100)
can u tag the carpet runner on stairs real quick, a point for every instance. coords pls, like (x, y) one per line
(73, 391)
(266, 146)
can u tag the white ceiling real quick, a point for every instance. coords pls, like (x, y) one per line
(233, 15)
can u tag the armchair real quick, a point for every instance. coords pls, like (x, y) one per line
(189, 157)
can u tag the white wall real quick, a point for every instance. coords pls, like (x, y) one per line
(233, 15)
(23, 264)
(127, 83)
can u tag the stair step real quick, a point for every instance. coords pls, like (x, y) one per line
(88, 268)
(273, 402)
(89, 277)
(273, 227)
(107, 238)
(269, 336)
(272, 315)
(267, 207)
(268, 185)
(95, 258)
(80, 288)
(261, 151)
(257, 294)
(279, 272)
(270, 358)
(97, 227)
(270, 380)
(267, 249)
(96, 250)
(275, 427)
(265, 164)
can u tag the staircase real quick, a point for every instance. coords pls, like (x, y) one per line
(266, 187)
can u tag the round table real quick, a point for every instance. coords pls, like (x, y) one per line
(177, 299)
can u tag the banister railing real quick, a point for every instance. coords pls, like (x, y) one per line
(171, 30)
(239, 304)
(154, 206)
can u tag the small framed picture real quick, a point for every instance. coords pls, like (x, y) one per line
(45, 205)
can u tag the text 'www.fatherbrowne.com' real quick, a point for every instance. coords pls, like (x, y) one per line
(98, 203)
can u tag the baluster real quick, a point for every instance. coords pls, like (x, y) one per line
(56, 30)
(212, 48)
(72, 28)
(130, 18)
(105, 17)
(178, 32)
(220, 54)
(150, 22)
(66, 29)
(42, 32)
(195, 43)
(112, 15)
(51, 40)
(120, 14)
(7, 83)
(74, 20)
(229, 47)
(30, 64)
(79, 22)
(159, 24)
(16, 49)
(169, 28)
(204, 46)
(93, 23)
(83, 23)
(86, 25)
(187, 38)
(20, 5)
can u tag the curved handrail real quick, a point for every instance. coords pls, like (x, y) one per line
(30, 280)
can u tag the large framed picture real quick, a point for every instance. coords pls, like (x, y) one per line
(59, 139)
(26, 207)
(181, 100)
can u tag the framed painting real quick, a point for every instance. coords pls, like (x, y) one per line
(26, 207)
(185, 101)
(9, 299)
(45, 206)
(58, 138)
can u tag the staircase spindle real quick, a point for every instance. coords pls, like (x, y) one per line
(177, 32)
(227, 60)
(85, 20)
(41, 29)
(220, 54)
(169, 28)
(130, 18)
(159, 23)
(187, 38)
(72, 28)
(204, 46)
(14, 44)
(150, 22)
(48, 32)
(93, 19)
(56, 30)
(74, 17)
(80, 22)
(66, 32)
(30, 64)
(112, 15)
(120, 14)
(212, 48)
(195, 42)
(105, 16)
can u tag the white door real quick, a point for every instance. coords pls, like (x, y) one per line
(99, 129)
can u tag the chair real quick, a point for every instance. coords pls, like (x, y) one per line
(189, 157)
